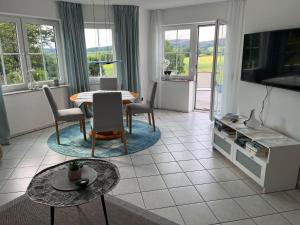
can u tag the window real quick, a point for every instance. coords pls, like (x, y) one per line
(178, 51)
(29, 50)
(99, 45)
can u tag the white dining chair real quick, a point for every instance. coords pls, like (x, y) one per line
(108, 116)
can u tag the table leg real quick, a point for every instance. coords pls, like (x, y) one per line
(52, 214)
(104, 208)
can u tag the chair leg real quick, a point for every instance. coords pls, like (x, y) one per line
(93, 143)
(149, 119)
(130, 123)
(127, 119)
(81, 126)
(153, 121)
(83, 129)
(123, 137)
(57, 132)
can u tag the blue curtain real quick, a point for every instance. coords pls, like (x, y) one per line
(4, 127)
(126, 25)
(75, 48)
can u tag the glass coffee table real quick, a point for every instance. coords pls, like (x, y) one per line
(41, 190)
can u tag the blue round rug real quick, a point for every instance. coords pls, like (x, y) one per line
(72, 143)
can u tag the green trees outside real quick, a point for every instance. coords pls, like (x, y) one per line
(94, 69)
(42, 53)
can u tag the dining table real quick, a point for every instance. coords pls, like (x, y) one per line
(86, 98)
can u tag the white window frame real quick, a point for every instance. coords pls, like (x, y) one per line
(23, 49)
(98, 25)
(193, 48)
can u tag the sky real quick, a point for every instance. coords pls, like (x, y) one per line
(91, 38)
(206, 33)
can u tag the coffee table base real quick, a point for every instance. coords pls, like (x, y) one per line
(52, 211)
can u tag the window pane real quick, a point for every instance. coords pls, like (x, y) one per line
(183, 42)
(99, 48)
(43, 52)
(37, 66)
(2, 81)
(183, 64)
(13, 69)
(51, 62)
(34, 40)
(172, 58)
(8, 37)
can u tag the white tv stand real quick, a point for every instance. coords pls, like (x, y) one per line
(275, 171)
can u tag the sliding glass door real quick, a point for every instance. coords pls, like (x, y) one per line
(218, 69)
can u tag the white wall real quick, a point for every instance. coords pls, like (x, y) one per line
(29, 111)
(283, 108)
(195, 13)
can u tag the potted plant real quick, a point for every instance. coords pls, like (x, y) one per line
(74, 171)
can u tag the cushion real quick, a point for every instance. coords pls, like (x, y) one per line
(71, 114)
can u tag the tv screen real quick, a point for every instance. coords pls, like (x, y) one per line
(272, 58)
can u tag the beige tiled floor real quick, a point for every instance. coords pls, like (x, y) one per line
(180, 177)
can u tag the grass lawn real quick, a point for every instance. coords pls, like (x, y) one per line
(204, 64)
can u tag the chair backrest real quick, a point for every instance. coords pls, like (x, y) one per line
(107, 111)
(108, 83)
(153, 93)
(51, 100)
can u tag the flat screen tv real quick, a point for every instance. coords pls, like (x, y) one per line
(272, 58)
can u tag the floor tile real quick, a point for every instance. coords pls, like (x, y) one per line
(163, 157)
(187, 139)
(200, 177)
(212, 191)
(142, 160)
(204, 154)
(197, 214)
(184, 155)
(190, 165)
(185, 195)
(176, 147)
(253, 185)
(176, 180)
(255, 206)
(223, 174)
(237, 188)
(293, 217)
(227, 210)
(212, 163)
(151, 183)
(36, 161)
(170, 213)
(156, 149)
(146, 170)
(121, 161)
(135, 199)
(271, 220)
(8, 163)
(126, 186)
(17, 185)
(157, 199)
(281, 201)
(170, 140)
(126, 172)
(169, 167)
(241, 222)
(23, 172)
(194, 146)
(295, 194)
(5, 173)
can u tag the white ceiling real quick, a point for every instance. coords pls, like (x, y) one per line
(149, 4)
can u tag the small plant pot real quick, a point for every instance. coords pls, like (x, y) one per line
(74, 175)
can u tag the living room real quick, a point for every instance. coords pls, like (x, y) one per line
(162, 168)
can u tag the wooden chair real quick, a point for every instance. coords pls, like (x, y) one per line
(138, 108)
(66, 115)
(108, 116)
